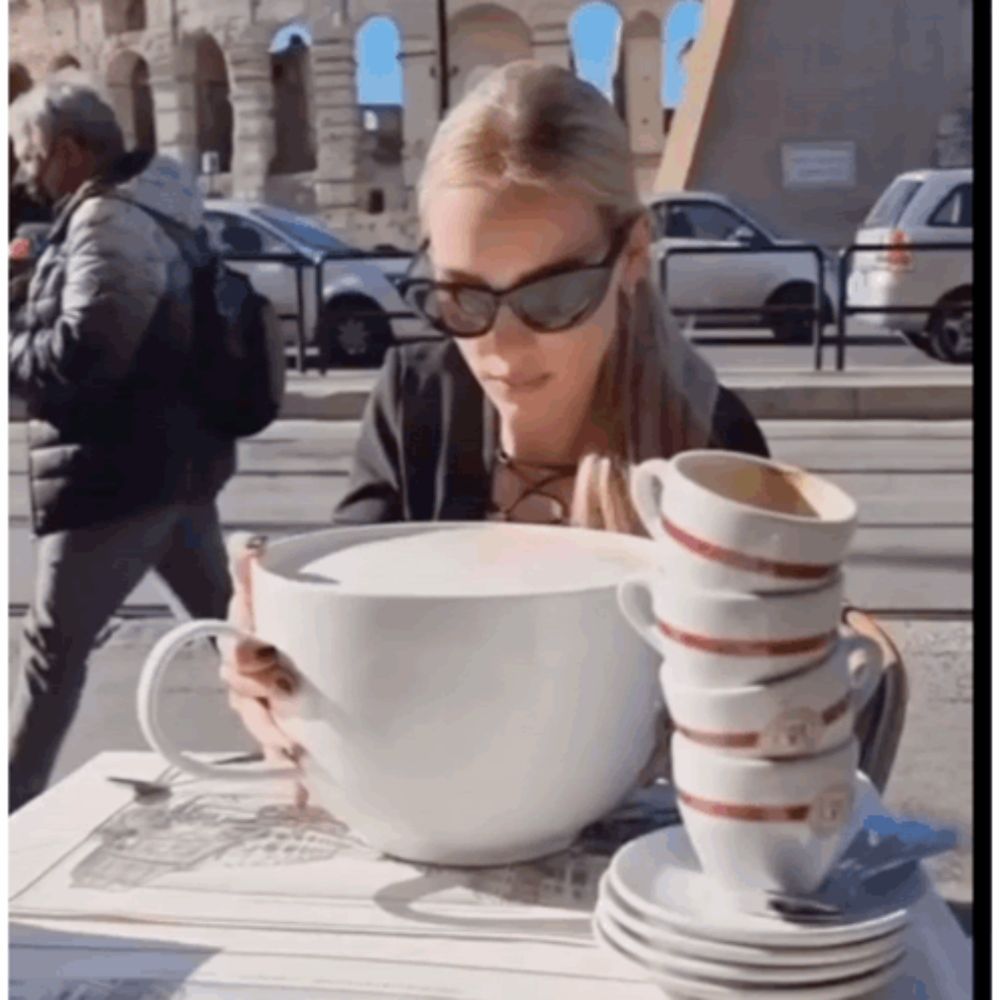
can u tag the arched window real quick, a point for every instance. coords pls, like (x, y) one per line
(294, 139)
(64, 61)
(379, 72)
(132, 99)
(213, 110)
(142, 103)
(18, 82)
(481, 38)
(595, 31)
(679, 33)
(135, 15)
(123, 15)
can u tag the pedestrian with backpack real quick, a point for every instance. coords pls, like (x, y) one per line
(126, 453)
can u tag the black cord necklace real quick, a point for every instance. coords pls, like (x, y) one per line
(551, 473)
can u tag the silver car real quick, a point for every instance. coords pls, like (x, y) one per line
(920, 207)
(752, 281)
(359, 314)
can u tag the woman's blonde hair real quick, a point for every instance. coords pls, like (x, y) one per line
(531, 123)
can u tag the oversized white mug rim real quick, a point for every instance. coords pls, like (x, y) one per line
(269, 560)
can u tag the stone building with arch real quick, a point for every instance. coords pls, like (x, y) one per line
(263, 96)
(204, 82)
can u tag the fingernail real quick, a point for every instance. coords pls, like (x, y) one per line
(292, 753)
(285, 685)
(263, 653)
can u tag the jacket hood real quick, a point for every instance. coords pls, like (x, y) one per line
(166, 186)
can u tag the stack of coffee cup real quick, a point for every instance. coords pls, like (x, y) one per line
(761, 683)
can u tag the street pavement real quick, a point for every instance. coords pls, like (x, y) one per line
(911, 561)
(771, 355)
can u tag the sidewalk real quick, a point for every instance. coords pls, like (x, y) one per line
(937, 393)
(865, 394)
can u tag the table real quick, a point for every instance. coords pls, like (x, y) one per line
(217, 892)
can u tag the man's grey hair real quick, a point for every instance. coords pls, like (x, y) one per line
(64, 106)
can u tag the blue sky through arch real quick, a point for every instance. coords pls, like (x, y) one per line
(380, 73)
(679, 28)
(594, 29)
(284, 35)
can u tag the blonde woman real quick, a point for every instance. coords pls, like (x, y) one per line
(559, 367)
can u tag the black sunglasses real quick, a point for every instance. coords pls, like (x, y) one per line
(550, 303)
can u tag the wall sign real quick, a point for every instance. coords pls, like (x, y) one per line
(819, 164)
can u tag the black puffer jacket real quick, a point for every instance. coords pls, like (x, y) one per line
(99, 352)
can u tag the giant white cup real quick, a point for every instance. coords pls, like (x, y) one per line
(769, 824)
(723, 638)
(809, 712)
(467, 729)
(730, 521)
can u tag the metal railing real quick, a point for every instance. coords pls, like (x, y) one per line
(844, 310)
(815, 312)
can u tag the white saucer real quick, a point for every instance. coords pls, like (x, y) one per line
(685, 988)
(658, 935)
(677, 963)
(659, 876)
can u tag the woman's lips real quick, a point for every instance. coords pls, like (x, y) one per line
(515, 384)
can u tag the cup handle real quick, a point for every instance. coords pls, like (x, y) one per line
(645, 487)
(864, 680)
(150, 681)
(635, 599)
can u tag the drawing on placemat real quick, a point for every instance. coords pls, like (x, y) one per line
(97, 989)
(144, 843)
(160, 989)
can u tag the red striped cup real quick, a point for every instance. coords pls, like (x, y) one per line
(809, 712)
(732, 521)
(713, 638)
(769, 824)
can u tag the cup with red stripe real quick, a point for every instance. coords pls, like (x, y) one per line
(732, 521)
(719, 638)
(766, 824)
(809, 712)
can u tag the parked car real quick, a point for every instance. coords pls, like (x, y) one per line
(921, 206)
(354, 325)
(735, 281)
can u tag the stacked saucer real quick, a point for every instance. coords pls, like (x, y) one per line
(659, 912)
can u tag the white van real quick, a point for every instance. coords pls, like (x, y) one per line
(921, 206)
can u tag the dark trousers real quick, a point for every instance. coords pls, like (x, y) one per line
(82, 577)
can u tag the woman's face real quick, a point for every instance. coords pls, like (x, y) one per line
(502, 237)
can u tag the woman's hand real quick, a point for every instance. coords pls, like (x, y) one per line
(256, 674)
(601, 497)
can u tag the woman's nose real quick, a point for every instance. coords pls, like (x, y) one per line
(509, 332)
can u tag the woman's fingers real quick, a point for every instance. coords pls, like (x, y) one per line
(301, 795)
(274, 683)
(243, 549)
(260, 724)
(279, 758)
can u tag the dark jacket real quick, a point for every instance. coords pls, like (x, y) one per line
(428, 439)
(100, 354)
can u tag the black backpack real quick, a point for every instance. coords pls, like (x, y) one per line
(238, 363)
